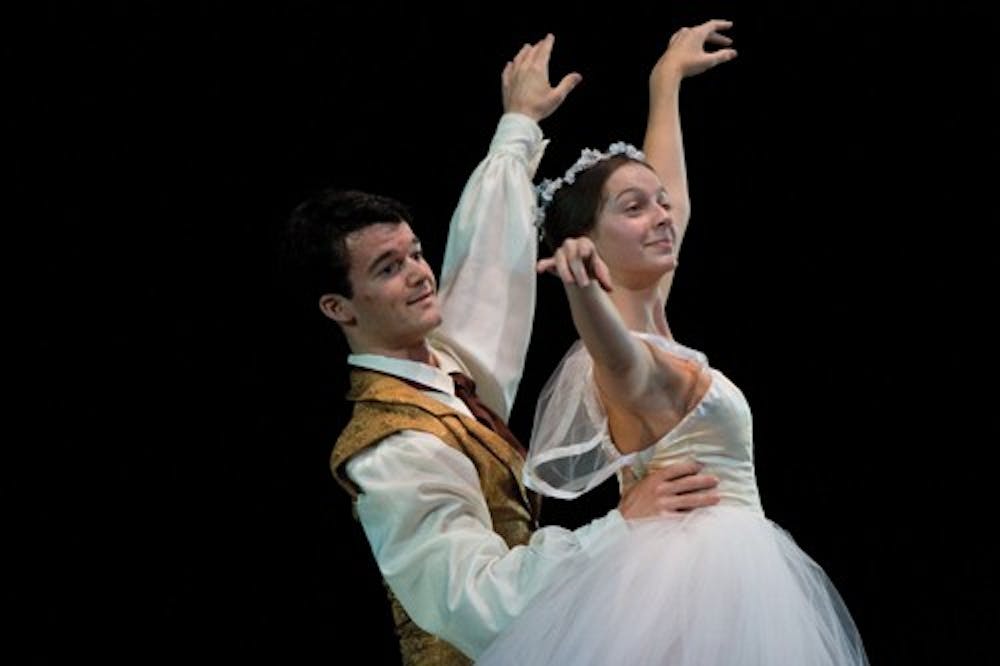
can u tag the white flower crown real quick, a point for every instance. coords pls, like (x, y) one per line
(588, 158)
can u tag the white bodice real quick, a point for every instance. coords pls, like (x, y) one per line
(571, 449)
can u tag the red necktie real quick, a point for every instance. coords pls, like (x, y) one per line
(465, 389)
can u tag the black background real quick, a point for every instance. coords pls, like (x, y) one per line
(175, 499)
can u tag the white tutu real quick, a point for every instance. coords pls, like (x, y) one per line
(718, 586)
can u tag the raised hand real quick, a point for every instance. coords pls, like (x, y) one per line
(686, 55)
(525, 82)
(577, 262)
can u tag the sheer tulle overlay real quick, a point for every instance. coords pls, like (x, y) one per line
(720, 586)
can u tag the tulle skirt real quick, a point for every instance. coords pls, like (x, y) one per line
(718, 586)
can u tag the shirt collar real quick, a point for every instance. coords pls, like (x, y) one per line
(414, 371)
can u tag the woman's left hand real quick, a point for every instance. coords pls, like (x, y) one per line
(577, 262)
(686, 54)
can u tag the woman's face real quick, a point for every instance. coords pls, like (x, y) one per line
(635, 233)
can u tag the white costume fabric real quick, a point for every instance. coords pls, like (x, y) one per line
(721, 585)
(421, 504)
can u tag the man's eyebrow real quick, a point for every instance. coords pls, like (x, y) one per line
(388, 254)
(379, 259)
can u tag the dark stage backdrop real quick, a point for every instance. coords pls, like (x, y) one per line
(839, 267)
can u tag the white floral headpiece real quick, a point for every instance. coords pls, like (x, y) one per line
(588, 158)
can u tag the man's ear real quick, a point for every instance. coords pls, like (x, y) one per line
(338, 308)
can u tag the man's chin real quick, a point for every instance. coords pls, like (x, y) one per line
(429, 322)
(434, 321)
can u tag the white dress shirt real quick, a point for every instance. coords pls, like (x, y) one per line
(421, 503)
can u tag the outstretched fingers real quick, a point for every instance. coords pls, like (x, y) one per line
(692, 483)
(602, 274)
(676, 488)
(542, 51)
(579, 270)
(567, 84)
(540, 56)
(678, 469)
(711, 29)
(546, 265)
(577, 262)
(522, 55)
(559, 265)
(715, 25)
(526, 87)
(686, 52)
(718, 39)
(721, 56)
(563, 269)
(689, 502)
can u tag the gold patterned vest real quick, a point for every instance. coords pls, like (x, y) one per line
(384, 405)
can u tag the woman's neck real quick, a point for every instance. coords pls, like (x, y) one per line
(642, 308)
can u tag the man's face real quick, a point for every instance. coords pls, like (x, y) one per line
(395, 300)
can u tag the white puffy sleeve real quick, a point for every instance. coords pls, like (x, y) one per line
(487, 288)
(422, 509)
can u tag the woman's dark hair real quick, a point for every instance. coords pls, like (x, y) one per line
(573, 210)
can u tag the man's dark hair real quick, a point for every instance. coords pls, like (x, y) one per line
(316, 236)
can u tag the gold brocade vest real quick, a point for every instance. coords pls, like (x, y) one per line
(384, 405)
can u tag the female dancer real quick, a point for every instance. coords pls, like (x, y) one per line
(716, 585)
